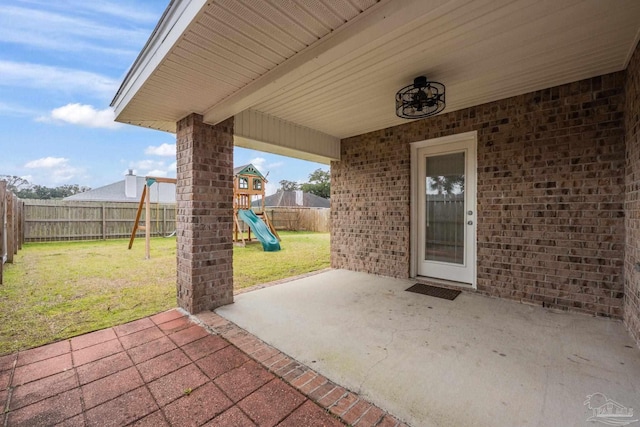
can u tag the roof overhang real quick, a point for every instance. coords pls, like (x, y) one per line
(330, 68)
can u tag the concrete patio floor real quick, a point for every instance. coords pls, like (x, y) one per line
(163, 370)
(432, 362)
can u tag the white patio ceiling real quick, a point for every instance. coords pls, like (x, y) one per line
(334, 65)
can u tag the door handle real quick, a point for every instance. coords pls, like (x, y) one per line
(469, 222)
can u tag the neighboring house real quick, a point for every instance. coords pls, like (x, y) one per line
(128, 190)
(539, 137)
(296, 198)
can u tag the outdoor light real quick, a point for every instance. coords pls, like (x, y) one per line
(421, 99)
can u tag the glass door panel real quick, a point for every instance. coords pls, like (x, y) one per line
(445, 208)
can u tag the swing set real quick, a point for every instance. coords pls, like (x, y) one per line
(248, 183)
(145, 201)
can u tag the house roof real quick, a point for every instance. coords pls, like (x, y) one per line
(165, 192)
(329, 69)
(293, 199)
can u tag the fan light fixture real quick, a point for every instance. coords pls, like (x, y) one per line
(421, 99)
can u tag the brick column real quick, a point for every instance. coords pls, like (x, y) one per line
(204, 195)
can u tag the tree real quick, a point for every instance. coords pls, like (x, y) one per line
(289, 185)
(450, 184)
(319, 184)
(68, 190)
(15, 183)
(21, 188)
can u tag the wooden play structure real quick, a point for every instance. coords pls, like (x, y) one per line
(145, 201)
(249, 185)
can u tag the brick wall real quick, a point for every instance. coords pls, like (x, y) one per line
(204, 197)
(632, 200)
(550, 196)
(370, 205)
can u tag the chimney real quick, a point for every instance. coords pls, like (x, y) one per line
(299, 198)
(130, 185)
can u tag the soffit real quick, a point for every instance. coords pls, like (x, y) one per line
(335, 65)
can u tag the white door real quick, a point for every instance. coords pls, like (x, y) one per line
(446, 208)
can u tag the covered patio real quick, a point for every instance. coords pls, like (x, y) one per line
(540, 139)
(541, 110)
(433, 362)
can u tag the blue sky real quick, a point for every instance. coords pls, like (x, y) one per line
(61, 63)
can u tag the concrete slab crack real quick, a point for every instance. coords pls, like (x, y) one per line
(386, 356)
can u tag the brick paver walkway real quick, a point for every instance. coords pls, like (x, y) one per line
(166, 370)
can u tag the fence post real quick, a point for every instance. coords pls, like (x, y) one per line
(10, 227)
(20, 223)
(104, 223)
(164, 220)
(16, 223)
(3, 226)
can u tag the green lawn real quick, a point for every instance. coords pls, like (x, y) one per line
(58, 290)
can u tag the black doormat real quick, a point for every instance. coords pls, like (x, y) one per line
(434, 291)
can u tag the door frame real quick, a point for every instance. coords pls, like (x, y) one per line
(472, 139)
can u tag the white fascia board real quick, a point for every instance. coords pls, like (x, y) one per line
(259, 131)
(632, 49)
(173, 23)
(369, 27)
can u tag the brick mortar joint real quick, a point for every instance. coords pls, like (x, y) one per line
(10, 390)
(345, 395)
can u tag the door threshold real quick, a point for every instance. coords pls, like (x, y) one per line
(444, 283)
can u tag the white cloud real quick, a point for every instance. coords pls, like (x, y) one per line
(161, 150)
(157, 172)
(259, 163)
(119, 9)
(149, 167)
(46, 162)
(271, 188)
(50, 30)
(14, 110)
(57, 169)
(24, 74)
(64, 174)
(263, 166)
(125, 11)
(83, 115)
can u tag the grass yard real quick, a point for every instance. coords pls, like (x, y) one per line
(58, 290)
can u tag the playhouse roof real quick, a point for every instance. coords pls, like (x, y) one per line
(248, 169)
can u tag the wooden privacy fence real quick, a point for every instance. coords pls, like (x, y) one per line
(445, 219)
(11, 226)
(58, 220)
(300, 219)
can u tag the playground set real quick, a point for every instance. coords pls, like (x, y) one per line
(248, 185)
